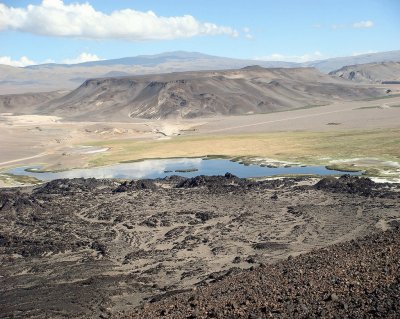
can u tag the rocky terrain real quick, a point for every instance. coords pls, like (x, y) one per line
(384, 72)
(357, 279)
(99, 248)
(250, 90)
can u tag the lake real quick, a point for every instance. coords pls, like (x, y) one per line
(188, 167)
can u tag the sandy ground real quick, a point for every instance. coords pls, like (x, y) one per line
(338, 116)
(46, 139)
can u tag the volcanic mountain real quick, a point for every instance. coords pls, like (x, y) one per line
(203, 94)
(53, 76)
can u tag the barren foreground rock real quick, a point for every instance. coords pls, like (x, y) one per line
(357, 279)
(91, 248)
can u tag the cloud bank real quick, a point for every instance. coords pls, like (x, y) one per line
(292, 58)
(83, 57)
(356, 25)
(363, 24)
(23, 61)
(81, 20)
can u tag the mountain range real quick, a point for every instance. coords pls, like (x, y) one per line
(193, 94)
(51, 77)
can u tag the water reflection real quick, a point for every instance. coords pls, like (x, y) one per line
(188, 167)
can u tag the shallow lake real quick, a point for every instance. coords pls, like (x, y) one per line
(187, 167)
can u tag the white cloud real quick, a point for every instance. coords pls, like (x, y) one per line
(247, 33)
(338, 26)
(357, 25)
(81, 20)
(292, 58)
(364, 52)
(363, 24)
(83, 57)
(23, 61)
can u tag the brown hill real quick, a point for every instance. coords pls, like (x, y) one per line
(204, 93)
(26, 103)
(370, 72)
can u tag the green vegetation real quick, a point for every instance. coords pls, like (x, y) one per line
(343, 167)
(11, 179)
(311, 148)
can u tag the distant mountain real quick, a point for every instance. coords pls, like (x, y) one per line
(333, 64)
(203, 60)
(202, 94)
(386, 72)
(51, 77)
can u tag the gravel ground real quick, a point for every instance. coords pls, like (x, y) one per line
(357, 279)
(87, 248)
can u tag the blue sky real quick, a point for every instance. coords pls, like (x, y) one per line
(74, 31)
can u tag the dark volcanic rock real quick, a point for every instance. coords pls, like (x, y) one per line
(60, 186)
(348, 184)
(209, 181)
(136, 185)
(270, 246)
(358, 279)
(80, 249)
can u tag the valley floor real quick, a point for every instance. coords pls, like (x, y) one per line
(346, 135)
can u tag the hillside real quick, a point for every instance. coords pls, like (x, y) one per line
(26, 103)
(201, 94)
(371, 72)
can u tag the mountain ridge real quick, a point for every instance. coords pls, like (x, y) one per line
(53, 77)
(203, 94)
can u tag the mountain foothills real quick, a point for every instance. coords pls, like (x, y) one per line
(249, 90)
(51, 77)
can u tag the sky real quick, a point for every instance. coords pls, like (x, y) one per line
(43, 31)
